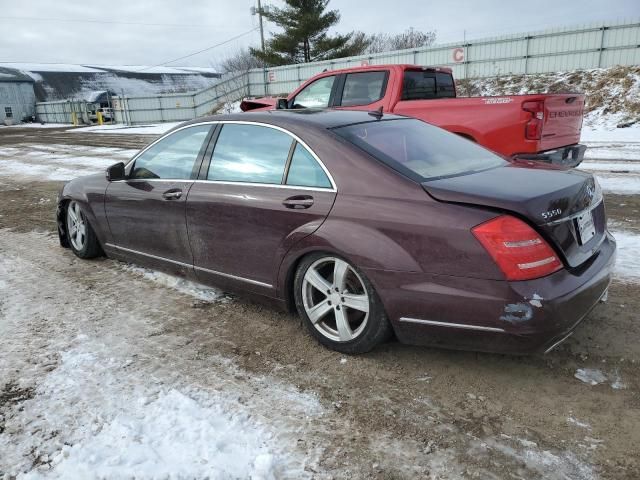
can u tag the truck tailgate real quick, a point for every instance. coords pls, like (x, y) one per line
(562, 120)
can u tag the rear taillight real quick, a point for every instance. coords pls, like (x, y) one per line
(520, 252)
(533, 128)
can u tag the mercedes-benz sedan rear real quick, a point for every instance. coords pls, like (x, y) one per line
(365, 224)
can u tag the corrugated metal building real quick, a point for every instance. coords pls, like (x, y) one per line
(17, 99)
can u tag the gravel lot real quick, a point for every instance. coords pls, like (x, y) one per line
(93, 353)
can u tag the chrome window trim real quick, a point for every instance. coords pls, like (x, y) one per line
(240, 122)
(156, 257)
(269, 185)
(452, 325)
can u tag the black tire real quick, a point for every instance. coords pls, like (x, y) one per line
(91, 246)
(377, 328)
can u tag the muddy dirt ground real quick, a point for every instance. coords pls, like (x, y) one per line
(400, 411)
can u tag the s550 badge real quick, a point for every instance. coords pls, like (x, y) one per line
(551, 213)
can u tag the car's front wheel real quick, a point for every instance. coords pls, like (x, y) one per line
(339, 305)
(82, 238)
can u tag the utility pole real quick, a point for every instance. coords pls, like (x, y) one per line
(261, 26)
(258, 11)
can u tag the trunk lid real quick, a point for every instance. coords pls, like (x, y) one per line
(559, 203)
(562, 120)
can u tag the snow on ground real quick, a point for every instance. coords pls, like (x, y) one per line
(112, 388)
(151, 129)
(58, 162)
(108, 386)
(595, 376)
(620, 184)
(605, 143)
(628, 260)
(592, 134)
(196, 290)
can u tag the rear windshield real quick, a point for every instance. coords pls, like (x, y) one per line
(424, 85)
(419, 150)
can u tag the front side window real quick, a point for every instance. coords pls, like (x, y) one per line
(8, 112)
(250, 153)
(419, 150)
(316, 94)
(363, 88)
(173, 157)
(305, 171)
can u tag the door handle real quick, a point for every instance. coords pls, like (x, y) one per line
(298, 202)
(173, 194)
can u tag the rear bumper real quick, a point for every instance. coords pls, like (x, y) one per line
(494, 316)
(570, 156)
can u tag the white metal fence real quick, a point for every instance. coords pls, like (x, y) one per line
(62, 111)
(558, 49)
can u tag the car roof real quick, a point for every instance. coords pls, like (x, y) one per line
(301, 118)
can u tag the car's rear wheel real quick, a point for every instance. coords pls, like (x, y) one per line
(82, 238)
(339, 305)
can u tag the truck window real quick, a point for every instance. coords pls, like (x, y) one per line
(315, 95)
(425, 85)
(363, 88)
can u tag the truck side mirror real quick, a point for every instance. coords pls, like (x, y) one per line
(282, 104)
(116, 172)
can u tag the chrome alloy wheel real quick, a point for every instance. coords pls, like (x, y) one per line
(335, 299)
(76, 226)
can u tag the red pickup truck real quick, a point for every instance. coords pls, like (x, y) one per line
(544, 127)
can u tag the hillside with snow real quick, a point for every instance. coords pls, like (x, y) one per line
(613, 94)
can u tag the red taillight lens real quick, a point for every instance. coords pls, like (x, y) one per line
(533, 128)
(520, 252)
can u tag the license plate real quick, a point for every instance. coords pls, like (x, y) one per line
(586, 227)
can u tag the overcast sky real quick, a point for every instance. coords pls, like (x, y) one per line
(150, 32)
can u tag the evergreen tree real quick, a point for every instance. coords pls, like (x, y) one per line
(304, 38)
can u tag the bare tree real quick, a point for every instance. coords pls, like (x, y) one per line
(240, 61)
(411, 38)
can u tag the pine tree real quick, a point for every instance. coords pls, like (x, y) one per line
(304, 38)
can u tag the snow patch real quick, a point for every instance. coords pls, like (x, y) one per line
(147, 434)
(594, 376)
(193, 289)
(152, 129)
(628, 261)
(58, 162)
(619, 184)
(578, 423)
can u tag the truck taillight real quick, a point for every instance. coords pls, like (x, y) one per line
(533, 128)
(519, 251)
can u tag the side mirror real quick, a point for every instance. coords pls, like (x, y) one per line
(116, 172)
(282, 104)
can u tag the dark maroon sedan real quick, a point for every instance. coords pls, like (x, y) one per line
(367, 225)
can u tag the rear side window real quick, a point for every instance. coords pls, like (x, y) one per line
(173, 157)
(250, 153)
(305, 171)
(419, 150)
(363, 88)
(316, 94)
(424, 85)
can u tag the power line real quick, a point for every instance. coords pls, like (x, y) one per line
(107, 22)
(201, 51)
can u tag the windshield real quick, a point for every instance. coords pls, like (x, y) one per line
(419, 150)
